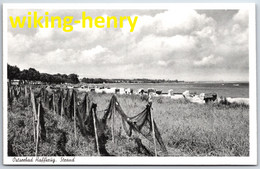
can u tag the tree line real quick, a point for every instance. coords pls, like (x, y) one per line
(13, 72)
(33, 75)
(100, 80)
(97, 80)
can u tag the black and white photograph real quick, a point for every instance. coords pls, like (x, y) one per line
(139, 84)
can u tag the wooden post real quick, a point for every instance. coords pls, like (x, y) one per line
(37, 129)
(95, 129)
(62, 108)
(53, 102)
(154, 139)
(34, 113)
(74, 110)
(86, 108)
(26, 95)
(112, 124)
(25, 91)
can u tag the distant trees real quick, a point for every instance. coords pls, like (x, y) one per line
(100, 80)
(45, 77)
(73, 78)
(97, 80)
(13, 72)
(24, 75)
(34, 75)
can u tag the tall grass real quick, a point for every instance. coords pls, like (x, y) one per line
(191, 129)
(20, 125)
(187, 129)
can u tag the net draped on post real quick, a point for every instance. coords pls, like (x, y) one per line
(83, 113)
(140, 123)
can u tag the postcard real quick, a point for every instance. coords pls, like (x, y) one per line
(129, 84)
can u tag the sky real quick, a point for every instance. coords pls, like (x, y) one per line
(190, 45)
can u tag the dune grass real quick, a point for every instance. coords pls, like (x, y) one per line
(194, 130)
(187, 129)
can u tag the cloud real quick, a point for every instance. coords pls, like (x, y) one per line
(162, 63)
(170, 44)
(241, 17)
(45, 33)
(208, 61)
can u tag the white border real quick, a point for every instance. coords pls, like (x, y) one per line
(251, 160)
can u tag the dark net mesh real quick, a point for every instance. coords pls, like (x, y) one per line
(140, 123)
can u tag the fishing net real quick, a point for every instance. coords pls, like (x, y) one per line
(81, 114)
(67, 103)
(140, 123)
(72, 103)
(51, 104)
(42, 123)
(60, 103)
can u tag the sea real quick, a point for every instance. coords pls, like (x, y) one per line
(229, 89)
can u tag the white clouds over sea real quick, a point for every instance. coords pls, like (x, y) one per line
(170, 44)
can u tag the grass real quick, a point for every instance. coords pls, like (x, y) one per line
(187, 129)
(23, 142)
